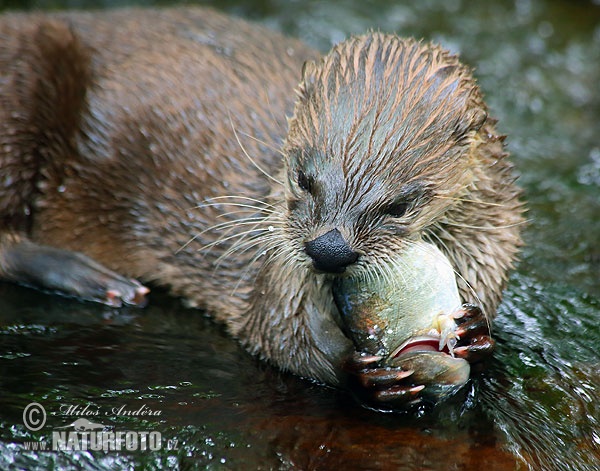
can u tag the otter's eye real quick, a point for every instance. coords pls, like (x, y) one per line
(397, 209)
(304, 182)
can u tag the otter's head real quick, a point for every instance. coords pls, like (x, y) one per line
(377, 149)
(388, 144)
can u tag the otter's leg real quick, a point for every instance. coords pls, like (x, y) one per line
(68, 272)
(44, 76)
(394, 386)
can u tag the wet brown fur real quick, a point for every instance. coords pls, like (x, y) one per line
(142, 138)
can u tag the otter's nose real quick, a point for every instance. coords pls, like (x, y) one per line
(330, 252)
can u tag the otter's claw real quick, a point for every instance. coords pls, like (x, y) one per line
(473, 329)
(134, 294)
(83, 277)
(478, 349)
(382, 377)
(424, 375)
(376, 384)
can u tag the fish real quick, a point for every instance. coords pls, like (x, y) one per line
(402, 309)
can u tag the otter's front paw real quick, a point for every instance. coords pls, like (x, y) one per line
(71, 273)
(473, 330)
(121, 291)
(81, 276)
(375, 384)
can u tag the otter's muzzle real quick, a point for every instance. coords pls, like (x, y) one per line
(330, 252)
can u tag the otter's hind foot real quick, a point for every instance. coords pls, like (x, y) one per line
(68, 272)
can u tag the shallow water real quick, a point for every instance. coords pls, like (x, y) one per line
(538, 404)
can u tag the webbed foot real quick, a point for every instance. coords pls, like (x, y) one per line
(69, 272)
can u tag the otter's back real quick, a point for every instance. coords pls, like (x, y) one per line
(151, 114)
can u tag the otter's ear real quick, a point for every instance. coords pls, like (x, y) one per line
(309, 79)
(471, 123)
(479, 118)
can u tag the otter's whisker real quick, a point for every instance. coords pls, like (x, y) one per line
(260, 141)
(238, 222)
(241, 246)
(259, 253)
(476, 297)
(271, 225)
(236, 214)
(260, 169)
(184, 246)
(290, 258)
(237, 205)
(487, 228)
(428, 250)
(211, 202)
(404, 273)
(275, 116)
(240, 197)
(275, 245)
(234, 223)
(467, 200)
(225, 239)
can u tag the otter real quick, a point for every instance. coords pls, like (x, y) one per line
(243, 171)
